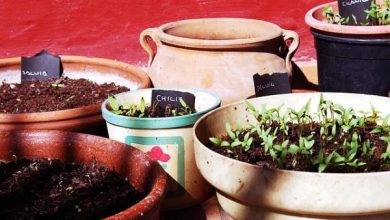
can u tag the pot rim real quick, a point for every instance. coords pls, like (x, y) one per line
(157, 188)
(160, 122)
(216, 44)
(252, 166)
(82, 111)
(342, 29)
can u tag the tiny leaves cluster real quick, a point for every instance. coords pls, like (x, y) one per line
(378, 14)
(143, 110)
(332, 138)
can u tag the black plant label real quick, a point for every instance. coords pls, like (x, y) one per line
(354, 11)
(271, 84)
(164, 98)
(41, 66)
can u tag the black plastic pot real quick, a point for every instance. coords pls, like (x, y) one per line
(357, 65)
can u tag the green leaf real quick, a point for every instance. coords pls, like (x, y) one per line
(142, 105)
(225, 144)
(322, 167)
(183, 103)
(236, 143)
(278, 147)
(216, 141)
(113, 103)
(229, 131)
(293, 149)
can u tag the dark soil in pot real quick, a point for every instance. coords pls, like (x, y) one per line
(53, 95)
(333, 139)
(50, 189)
(143, 110)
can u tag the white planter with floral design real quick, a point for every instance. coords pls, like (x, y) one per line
(168, 140)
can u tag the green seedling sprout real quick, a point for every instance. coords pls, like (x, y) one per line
(337, 125)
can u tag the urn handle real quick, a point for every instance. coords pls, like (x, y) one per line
(152, 34)
(293, 36)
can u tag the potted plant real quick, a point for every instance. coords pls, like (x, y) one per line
(143, 173)
(291, 156)
(352, 58)
(130, 119)
(87, 117)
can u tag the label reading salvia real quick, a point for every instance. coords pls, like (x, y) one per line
(271, 84)
(164, 98)
(42, 66)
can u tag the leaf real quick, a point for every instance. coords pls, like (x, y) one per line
(278, 147)
(225, 144)
(216, 141)
(113, 103)
(236, 143)
(142, 105)
(322, 167)
(293, 149)
(183, 103)
(229, 131)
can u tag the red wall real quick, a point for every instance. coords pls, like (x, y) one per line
(110, 29)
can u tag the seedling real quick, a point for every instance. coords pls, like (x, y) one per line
(331, 138)
(143, 110)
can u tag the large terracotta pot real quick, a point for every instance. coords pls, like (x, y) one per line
(145, 174)
(86, 118)
(168, 140)
(248, 191)
(220, 55)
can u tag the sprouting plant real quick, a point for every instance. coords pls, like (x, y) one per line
(337, 135)
(379, 13)
(115, 107)
(334, 17)
(187, 109)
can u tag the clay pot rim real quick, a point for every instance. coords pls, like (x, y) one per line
(156, 192)
(215, 44)
(291, 172)
(312, 20)
(160, 122)
(87, 110)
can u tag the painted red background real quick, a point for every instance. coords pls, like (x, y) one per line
(110, 29)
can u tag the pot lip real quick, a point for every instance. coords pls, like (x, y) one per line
(289, 172)
(342, 29)
(215, 44)
(154, 195)
(349, 40)
(161, 122)
(82, 111)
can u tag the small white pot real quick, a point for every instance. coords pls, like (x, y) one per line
(248, 191)
(168, 140)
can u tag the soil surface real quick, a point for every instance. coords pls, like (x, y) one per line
(50, 189)
(256, 154)
(53, 95)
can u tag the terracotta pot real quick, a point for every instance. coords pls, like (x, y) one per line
(86, 118)
(350, 58)
(248, 191)
(144, 173)
(220, 55)
(170, 137)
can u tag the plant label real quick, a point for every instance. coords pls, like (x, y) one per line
(271, 84)
(41, 66)
(172, 98)
(353, 10)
